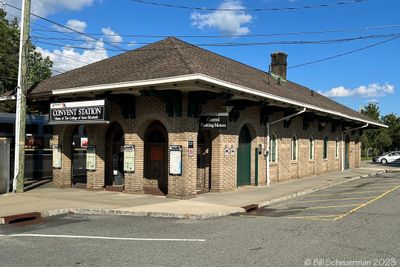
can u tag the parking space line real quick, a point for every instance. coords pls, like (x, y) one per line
(366, 204)
(332, 199)
(108, 238)
(316, 208)
(313, 218)
(369, 188)
(345, 193)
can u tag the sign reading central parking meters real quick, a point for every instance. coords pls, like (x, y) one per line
(214, 121)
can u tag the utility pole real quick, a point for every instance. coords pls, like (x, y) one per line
(20, 118)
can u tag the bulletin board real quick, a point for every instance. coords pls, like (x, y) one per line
(91, 158)
(57, 162)
(175, 160)
(129, 158)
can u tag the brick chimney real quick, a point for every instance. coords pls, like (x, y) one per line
(279, 64)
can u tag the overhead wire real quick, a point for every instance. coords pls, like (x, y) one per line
(344, 54)
(63, 26)
(342, 3)
(378, 27)
(288, 42)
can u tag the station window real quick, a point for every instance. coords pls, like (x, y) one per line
(294, 148)
(337, 148)
(311, 147)
(325, 152)
(273, 148)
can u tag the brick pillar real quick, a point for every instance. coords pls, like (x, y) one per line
(62, 178)
(134, 181)
(184, 186)
(96, 134)
(223, 167)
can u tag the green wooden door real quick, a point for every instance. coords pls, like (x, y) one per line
(244, 157)
(347, 153)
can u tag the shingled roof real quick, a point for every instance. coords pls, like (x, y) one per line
(172, 57)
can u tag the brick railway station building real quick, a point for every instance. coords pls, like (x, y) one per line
(171, 118)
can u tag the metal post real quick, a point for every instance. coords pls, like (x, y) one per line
(19, 159)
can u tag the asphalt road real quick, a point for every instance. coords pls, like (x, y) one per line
(355, 223)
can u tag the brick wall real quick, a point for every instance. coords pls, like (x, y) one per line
(223, 167)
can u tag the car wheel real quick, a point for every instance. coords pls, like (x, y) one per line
(384, 161)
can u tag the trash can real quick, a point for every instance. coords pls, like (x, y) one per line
(4, 165)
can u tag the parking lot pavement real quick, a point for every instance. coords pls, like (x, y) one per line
(334, 203)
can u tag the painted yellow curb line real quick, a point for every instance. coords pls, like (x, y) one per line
(365, 204)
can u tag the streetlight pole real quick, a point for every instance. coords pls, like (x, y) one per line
(20, 118)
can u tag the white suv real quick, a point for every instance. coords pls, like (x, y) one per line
(389, 157)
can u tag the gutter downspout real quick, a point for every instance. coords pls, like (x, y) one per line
(346, 131)
(268, 137)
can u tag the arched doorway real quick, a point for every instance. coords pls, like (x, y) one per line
(79, 145)
(203, 162)
(114, 172)
(244, 157)
(156, 157)
(347, 153)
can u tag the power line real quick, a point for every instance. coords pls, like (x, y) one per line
(227, 44)
(379, 27)
(62, 26)
(343, 54)
(343, 3)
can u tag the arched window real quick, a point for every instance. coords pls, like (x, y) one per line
(337, 148)
(273, 147)
(294, 148)
(311, 148)
(325, 152)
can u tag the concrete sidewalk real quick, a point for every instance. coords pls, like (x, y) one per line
(50, 201)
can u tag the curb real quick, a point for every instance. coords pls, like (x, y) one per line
(196, 216)
(119, 212)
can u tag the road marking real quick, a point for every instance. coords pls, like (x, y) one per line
(366, 187)
(345, 193)
(365, 204)
(108, 238)
(316, 208)
(331, 199)
(312, 218)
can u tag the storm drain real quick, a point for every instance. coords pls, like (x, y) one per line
(250, 207)
(23, 219)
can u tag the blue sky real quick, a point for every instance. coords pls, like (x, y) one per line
(354, 80)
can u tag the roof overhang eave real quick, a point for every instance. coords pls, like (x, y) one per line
(211, 80)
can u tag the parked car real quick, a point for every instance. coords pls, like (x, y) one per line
(388, 157)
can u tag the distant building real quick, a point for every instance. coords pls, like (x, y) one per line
(174, 119)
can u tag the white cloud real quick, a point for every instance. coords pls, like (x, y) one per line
(48, 7)
(111, 35)
(227, 22)
(69, 58)
(76, 25)
(371, 90)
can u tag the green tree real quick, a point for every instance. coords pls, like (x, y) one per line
(39, 68)
(393, 122)
(370, 137)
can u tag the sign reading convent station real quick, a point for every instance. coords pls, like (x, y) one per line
(94, 111)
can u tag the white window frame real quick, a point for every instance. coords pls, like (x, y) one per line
(296, 141)
(273, 137)
(327, 148)
(311, 142)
